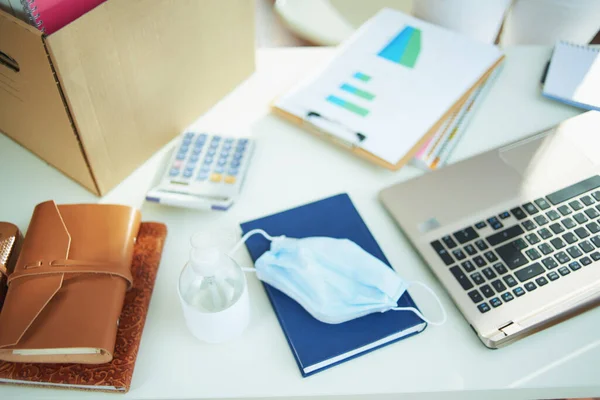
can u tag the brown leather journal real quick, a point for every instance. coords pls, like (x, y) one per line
(66, 293)
(117, 374)
(10, 246)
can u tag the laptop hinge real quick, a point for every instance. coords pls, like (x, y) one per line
(510, 329)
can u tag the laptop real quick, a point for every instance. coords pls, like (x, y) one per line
(513, 234)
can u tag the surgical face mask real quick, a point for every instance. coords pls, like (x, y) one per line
(335, 280)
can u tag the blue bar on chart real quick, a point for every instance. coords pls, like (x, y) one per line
(358, 92)
(347, 105)
(362, 77)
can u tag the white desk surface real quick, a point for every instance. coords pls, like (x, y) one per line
(290, 168)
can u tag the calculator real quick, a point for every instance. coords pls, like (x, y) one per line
(204, 171)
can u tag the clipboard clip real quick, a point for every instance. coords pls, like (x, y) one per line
(343, 135)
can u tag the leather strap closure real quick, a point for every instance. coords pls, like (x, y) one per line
(40, 268)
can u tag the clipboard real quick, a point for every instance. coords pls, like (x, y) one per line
(353, 143)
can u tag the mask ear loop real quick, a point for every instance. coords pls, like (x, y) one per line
(414, 310)
(243, 240)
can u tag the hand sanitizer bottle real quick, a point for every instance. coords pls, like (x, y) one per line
(213, 291)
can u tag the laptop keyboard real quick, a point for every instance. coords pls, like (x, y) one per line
(531, 246)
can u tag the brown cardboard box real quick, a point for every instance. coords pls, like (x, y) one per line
(98, 97)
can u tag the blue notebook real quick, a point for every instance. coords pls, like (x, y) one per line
(573, 76)
(317, 345)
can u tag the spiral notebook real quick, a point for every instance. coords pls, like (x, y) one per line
(573, 76)
(51, 15)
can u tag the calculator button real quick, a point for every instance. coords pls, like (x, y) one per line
(181, 156)
(194, 158)
(587, 200)
(208, 160)
(202, 176)
(216, 138)
(196, 152)
(184, 148)
(226, 146)
(233, 171)
(542, 203)
(564, 210)
(218, 170)
(224, 154)
(504, 215)
(221, 162)
(188, 174)
(235, 164)
(242, 141)
(205, 169)
(229, 140)
(189, 169)
(541, 220)
(210, 153)
(530, 208)
(174, 172)
(189, 135)
(237, 156)
(494, 223)
(518, 213)
(216, 177)
(177, 164)
(230, 179)
(214, 145)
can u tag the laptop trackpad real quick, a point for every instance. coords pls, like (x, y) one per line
(545, 160)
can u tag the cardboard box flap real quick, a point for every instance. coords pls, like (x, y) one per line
(135, 73)
(33, 112)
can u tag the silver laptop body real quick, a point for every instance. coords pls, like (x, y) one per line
(514, 233)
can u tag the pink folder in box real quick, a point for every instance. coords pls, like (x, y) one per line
(51, 15)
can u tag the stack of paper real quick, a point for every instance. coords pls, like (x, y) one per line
(398, 88)
(435, 153)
